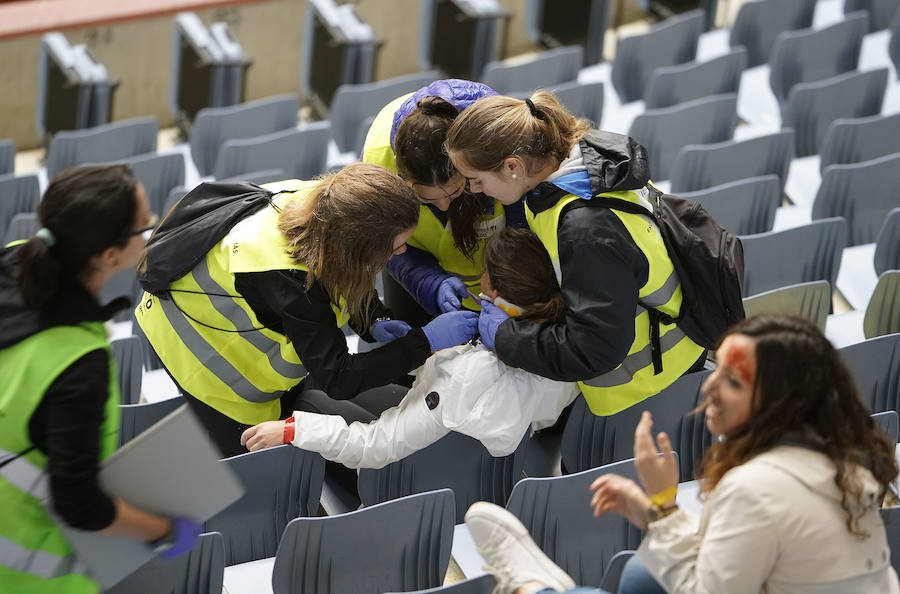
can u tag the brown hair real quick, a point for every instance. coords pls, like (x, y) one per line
(87, 209)
(534, 286)
(421, 159)
(497, 127)
(802, 386)
(344, 233)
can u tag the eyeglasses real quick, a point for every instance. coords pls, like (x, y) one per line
(154, 219)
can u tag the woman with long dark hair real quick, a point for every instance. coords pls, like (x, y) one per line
(792, 487)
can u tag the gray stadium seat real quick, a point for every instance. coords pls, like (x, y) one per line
(863, 193)
(158, 174)
(583, 100)
(613, 572)
(101, 144)
(589, 441)
(352, 104)
(875, 364)
(894, 44)
(7, 157)
(556, 513)
(812, 107)
(456, 462)
(699, 167)
(547, 69)
(260, 177)
(480, 585)
(129, 357)
(860, 139)
(673, 41)
(121, 284)
(199, 572)
(22, 226)
(758, 24)
(889, 421)
(887, 246)
(280, 484)
(811, 301)
(300, 152)
(400, 545)
(18, 194)
(880, 11)
(883, 311)
(663, 132)
(137, 418)
(671, 85)
(801, 254)
(743, 207)
(810, 55)
(214, 126)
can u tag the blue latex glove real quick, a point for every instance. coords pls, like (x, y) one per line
(450, 294)
(388, 330)
(451, 328)
(187, 535)
(490, 319)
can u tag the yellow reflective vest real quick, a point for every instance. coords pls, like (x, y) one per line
(633, 379)
(209, 338)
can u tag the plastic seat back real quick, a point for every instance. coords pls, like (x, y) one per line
(883, 311)
(130, 366)
(484, 584)
(887, 245)
(18, 194)
(457, 462)
(549, 68)
(889, 421)
(812, 107)
(137, 418)
(671, 85)
(814, 254)
(213, 126)
(21, 226)
(101, 144)
(673, 41)
(811, 301)
(880, 11)
(743, 207)
(863, 193)
(158, 174)
(758, 24)
(280, 484)
(580, 99)
(300, 152)
(816, 54)
(875, 364)
(400, 545)
(7, 157)
(664, 132)
(860, 139)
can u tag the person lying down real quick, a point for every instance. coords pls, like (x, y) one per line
(464, 388)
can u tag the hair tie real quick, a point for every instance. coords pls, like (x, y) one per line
(534, 110)
(46, 235)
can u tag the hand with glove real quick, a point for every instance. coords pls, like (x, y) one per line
(450, 294)
(490, 319)
(182, 537)
(451, 328)
(388, 330)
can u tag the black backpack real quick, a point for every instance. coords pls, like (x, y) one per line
(709, 261)
(194, 226)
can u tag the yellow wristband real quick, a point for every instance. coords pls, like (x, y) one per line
(663, 496)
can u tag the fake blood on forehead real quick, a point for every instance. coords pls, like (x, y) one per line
(738, 354)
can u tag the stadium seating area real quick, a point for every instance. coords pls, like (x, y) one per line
(786, 126)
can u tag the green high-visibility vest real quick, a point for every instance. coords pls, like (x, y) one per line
(34, 555)
(634, 379)
(209, 338)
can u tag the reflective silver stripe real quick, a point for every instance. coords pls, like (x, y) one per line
(38, 563)
(635, 362)
(24, 475)
(211, 359)
(232, 311)
(663, 294)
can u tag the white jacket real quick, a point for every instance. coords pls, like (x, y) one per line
(464, 389)
(774, 525)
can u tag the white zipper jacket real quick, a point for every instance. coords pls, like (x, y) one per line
(464, 389)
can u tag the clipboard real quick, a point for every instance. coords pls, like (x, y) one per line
(171, 469)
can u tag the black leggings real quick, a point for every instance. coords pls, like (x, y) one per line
(367, 406)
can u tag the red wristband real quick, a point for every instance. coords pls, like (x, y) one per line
(289, 430)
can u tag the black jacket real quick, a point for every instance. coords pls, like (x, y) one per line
(602, 273)
(66, 424)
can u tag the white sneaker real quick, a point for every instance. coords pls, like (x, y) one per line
(510, 554)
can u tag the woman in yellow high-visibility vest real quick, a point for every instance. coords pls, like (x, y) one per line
(59, 398)
(612, 266)
(445, 259)
(254, 328)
